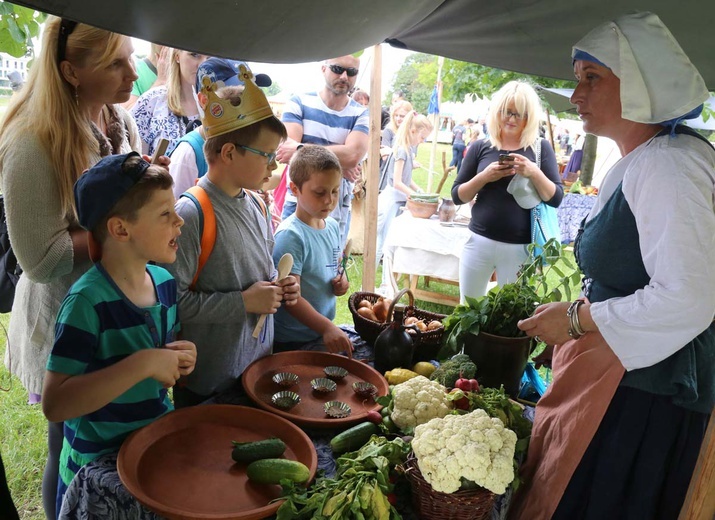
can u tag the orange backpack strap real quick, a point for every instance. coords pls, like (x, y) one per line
(258, 200)
(207, 226)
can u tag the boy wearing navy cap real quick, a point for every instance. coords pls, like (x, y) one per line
(115, 352)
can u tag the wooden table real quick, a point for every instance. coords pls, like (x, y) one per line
(425, 248)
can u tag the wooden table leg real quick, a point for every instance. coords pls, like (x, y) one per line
(700, 500)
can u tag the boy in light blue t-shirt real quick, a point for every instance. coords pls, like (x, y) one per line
(312, 237)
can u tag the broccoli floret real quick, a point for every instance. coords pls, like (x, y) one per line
(460, 358)
(454, 368)
(468, 369)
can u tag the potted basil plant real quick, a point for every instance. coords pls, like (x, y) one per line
(486, 329)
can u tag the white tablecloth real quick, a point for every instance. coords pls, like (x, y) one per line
(424, 247)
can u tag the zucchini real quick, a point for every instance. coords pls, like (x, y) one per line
(272, 471)
(353, 438)
(256, 450)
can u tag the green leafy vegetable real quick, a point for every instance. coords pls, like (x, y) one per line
(358, 491)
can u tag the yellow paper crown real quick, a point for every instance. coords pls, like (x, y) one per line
(220, 116)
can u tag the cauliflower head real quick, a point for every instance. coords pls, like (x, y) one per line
(473, 446)
(418, 400)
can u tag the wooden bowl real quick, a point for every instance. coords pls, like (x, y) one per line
(422, 209)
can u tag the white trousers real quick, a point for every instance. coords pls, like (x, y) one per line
(480, 257)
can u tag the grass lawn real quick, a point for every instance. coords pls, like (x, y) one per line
(23, 431)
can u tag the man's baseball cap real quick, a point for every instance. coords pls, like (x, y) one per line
(99, 189)
(219, 69)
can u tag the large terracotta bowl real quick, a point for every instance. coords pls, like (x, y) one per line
(181, 467)
(258, 382)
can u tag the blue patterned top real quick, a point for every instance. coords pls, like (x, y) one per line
(155, 120)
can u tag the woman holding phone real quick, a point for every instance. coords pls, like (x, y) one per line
(500, 226)
(66, 117)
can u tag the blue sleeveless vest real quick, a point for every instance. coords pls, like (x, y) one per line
(617, 269)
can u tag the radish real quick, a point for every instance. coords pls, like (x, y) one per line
(474, 385)
(463, 384)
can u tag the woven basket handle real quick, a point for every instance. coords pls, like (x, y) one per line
(397, 299)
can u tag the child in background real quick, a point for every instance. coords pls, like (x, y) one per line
(413, 130)
(187, 159)
(312, 237)
(222, 305)
(115, 352)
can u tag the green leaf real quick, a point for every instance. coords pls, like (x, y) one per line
(17, 34)
(6, 8)
(9, 45)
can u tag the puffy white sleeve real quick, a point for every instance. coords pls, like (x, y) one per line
(669, 189)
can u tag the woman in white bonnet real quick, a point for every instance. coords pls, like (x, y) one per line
(618, 433)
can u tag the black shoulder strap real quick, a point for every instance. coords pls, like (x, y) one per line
(682, 129)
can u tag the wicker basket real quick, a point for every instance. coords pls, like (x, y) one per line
(427, 343)
(422, 209)
(475, 504)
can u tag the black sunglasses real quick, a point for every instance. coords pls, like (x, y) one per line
(66, 28)
(337, 69)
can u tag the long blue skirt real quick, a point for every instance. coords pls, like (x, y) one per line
(639, 464)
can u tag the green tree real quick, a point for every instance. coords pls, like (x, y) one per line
(416, 78)
(461, 78)
(18, 25)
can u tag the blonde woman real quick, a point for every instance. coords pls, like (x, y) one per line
(166, 111)
(413, 130)
(398, 112)
(63, 121)
(501, 228)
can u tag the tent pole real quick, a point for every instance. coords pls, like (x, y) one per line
(435, 123)
(551, 130)
(373, 173)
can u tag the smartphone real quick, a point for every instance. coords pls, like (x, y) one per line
(505, 158)
(160, 150)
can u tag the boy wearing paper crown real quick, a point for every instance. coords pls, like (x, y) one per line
(115, 351)
(222, 299)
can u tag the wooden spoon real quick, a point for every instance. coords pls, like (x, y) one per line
(285, 264)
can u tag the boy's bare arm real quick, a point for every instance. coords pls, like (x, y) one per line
(65, 396)
(334, 338)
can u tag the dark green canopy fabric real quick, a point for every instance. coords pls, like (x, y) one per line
(530, 36)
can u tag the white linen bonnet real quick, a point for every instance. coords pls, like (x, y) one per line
(658, 81)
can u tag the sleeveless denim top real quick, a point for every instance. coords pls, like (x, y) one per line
(617, 270)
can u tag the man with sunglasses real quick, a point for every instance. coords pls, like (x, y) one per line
(329, 118)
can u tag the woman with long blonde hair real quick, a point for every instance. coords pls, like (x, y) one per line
(167, 110)
(63, 121)
(500, 225)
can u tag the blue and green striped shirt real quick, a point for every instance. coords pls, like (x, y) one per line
(97, 326)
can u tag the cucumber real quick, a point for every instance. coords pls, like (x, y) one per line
(256, 450)
(354, 438)
(272, 471)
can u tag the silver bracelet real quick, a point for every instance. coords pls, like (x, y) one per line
(575, 329)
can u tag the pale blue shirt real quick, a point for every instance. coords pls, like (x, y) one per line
(316, 253)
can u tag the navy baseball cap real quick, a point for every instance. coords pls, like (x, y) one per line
(219, 69)
(99, 189)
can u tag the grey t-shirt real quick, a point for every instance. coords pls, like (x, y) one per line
(213, 315)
